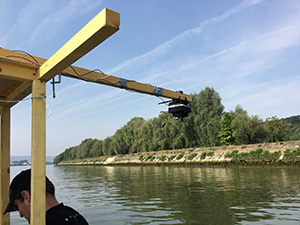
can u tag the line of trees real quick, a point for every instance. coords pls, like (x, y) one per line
(206, 125)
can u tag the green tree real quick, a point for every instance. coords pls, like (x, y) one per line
(293, 128)
(137, 135)
(127, 139)
(107, 150)
(83, 150)
(96, 149)
(247, 130)
(226, 132)
(257, 130)
(202, 126)
(58, 158)
(147, 136)
(159, 141)
(118, 145)
(276, 129)
(66, 155)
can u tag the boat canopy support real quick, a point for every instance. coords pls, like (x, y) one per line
(22, 74)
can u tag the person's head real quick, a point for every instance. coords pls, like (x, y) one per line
(19, 194)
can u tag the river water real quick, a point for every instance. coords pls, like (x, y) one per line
(178, 195)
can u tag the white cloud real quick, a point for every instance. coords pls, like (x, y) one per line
(261, 98)
(51, 25)
(38, 21)
(148, 57)
(245, 58)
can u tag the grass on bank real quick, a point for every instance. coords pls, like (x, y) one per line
(205, 154)
(292, 153)
(150, 158)
(258, 153)
(179, 156)
(190, 155)
(171, 157)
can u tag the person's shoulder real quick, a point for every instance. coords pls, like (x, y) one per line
(62, 214)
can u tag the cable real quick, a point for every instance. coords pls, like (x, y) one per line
(82, 75)
(16, 56)
(74, 70)
(21, 51)
(90, 80)
(29, 98)
(163, 101)
(49, 113)
(95, 70)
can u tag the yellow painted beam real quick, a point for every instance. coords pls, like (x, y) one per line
(17, 70)
(93, 76)
(38, 155)
(114, 81)
(21, 58)
(19, 93)
(102, 26)
(4, 163)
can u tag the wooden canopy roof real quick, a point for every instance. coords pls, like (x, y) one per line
(22, 74)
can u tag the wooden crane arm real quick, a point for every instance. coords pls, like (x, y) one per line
(12, 62)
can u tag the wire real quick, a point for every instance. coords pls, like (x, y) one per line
(103, 78)
(91, 80)
(163, 101)
(29, 98)
(80, 76)
(16, 56)
(95, 70)
(49, 113)
(35, 62)
(21, 51)
(74, 70)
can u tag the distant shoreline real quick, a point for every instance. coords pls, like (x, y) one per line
(281, 153)
(18, 160)
(15, 163)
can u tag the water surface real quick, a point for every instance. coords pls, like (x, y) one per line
(178, 195)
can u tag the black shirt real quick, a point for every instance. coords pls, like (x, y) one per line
(64, 215)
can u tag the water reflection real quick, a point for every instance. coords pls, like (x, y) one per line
(180, 195)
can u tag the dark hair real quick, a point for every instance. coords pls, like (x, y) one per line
(50, 189)
(20, 197)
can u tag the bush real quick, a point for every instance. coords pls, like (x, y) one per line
(141, 157)
(207, 153)
(179, 156)
(171, 157)
(254, 154)
(232, 154)
(274, 155)
(257, 153)
(191, 156)
(203, 155)
(210, 153)
(162, 158)
(148, 157)
(290, 154)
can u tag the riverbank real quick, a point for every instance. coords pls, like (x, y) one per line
(267, 153)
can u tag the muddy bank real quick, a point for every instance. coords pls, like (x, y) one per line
(283, 153)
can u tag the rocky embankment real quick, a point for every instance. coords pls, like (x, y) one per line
(267, 153)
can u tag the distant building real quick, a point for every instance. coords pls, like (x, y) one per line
(20, 163)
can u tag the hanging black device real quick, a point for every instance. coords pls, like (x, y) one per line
(180, 108)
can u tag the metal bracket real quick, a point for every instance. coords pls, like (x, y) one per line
(123, 83)
(158, 91)
(53, 82)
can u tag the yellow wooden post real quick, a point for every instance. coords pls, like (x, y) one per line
(38, 154)
(103, 25)
(4, 163)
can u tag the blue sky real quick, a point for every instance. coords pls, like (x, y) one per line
(248, 51)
